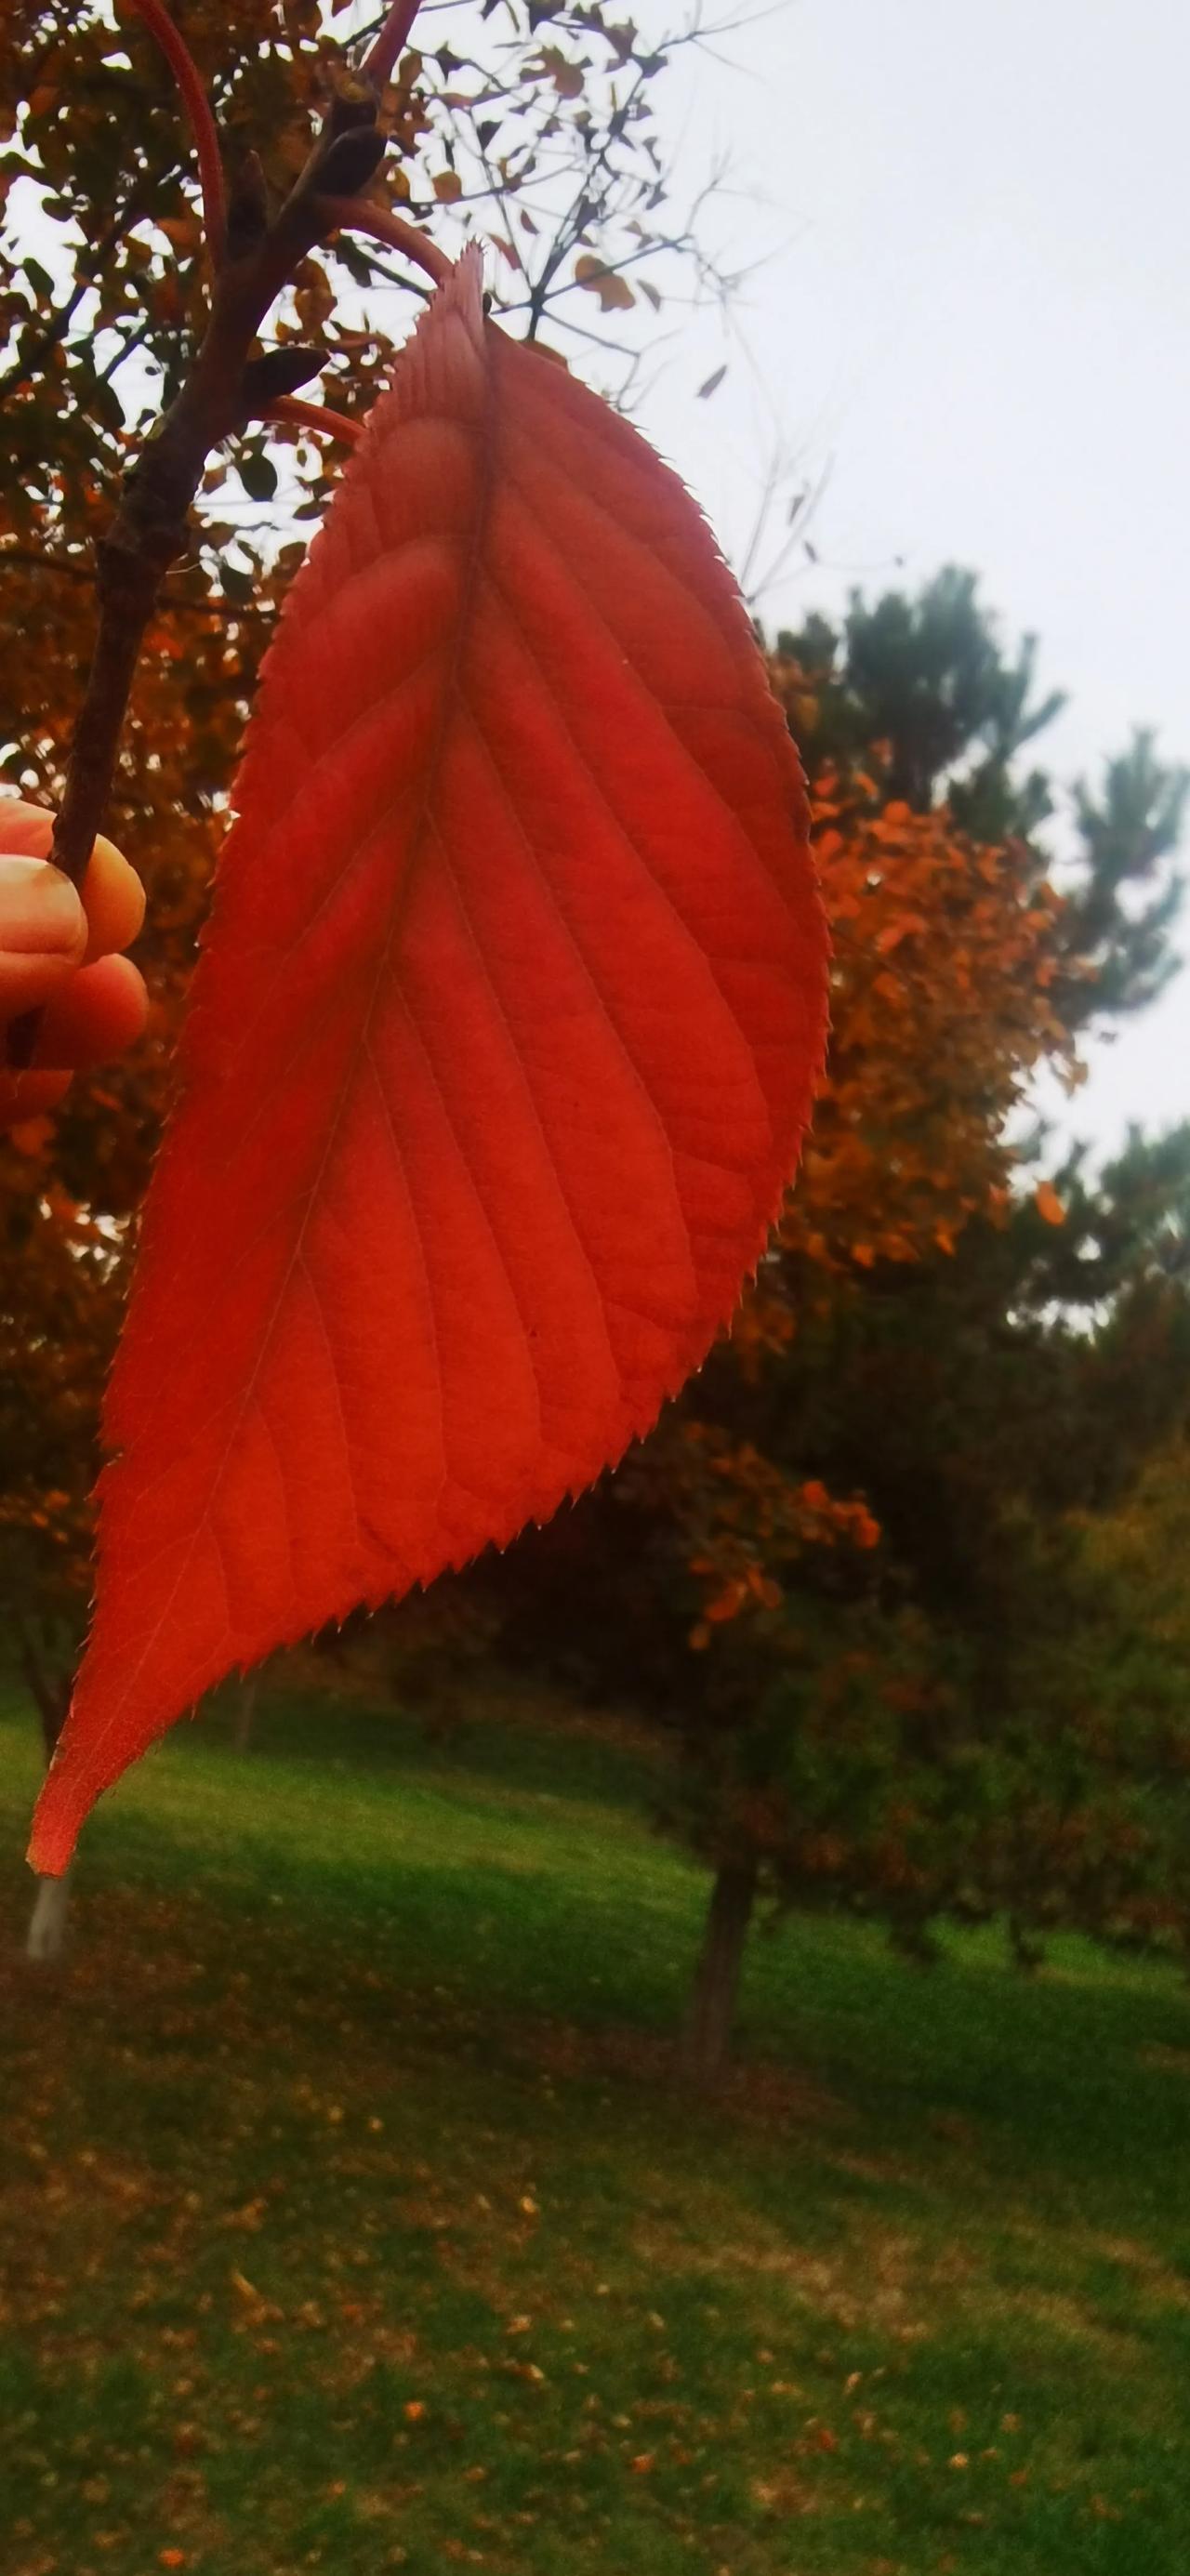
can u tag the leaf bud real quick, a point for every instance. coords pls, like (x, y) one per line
(350, 161)
(277, 372)
(354, 102)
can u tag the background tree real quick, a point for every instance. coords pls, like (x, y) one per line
(928, 680)
(841, 1573)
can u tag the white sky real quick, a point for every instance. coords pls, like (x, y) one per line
(976, 314)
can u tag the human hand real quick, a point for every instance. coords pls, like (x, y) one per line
(59, 955)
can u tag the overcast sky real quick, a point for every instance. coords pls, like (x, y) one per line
(975, 317)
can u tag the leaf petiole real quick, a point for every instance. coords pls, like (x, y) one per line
(346, 214)
(334, 424)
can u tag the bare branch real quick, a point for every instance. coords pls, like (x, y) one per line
(343, 214)
(160, 26)
(335, 424)
(72, 568)
(390, 43)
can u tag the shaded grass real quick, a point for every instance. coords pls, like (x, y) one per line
(351, 2219)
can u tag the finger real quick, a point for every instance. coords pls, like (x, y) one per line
(113, 896)
(43, 931)
(97, 1015)
(113, 900)
(28, 828)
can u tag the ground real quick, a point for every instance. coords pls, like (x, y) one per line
(352, 2219)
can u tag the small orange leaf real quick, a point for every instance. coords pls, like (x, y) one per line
(614, 293)
(448, 187)
(566, 76)
(1048, 1204)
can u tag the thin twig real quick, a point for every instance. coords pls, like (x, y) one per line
(54, 330)
(160, 26)
(335, 424)
(380, 273)
(344, 214)
(390, 43)
(67, 565)
(169, 604)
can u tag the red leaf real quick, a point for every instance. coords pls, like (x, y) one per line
(501, 1043)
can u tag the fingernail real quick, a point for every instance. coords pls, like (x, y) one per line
(40, 912)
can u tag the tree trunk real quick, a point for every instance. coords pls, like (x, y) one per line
(49, 1690)
(706, 2038)
(46, 1937)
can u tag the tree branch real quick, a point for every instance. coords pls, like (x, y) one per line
(161, 28)
(225, 388)
(390, 43)
(50, 1693)
(72, 568)
(334, 424)
(343, 214)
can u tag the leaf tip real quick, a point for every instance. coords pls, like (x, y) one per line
(56, 1821)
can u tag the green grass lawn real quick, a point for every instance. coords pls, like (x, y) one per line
(352, 2219)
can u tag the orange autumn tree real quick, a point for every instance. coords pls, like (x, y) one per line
(944, 966)
(70, 1186)
(871, 1728)
(812, 1572)
(945, 956)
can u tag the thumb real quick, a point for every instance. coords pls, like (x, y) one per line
(43, 931)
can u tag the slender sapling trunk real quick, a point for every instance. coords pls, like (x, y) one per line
(706, 2038)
